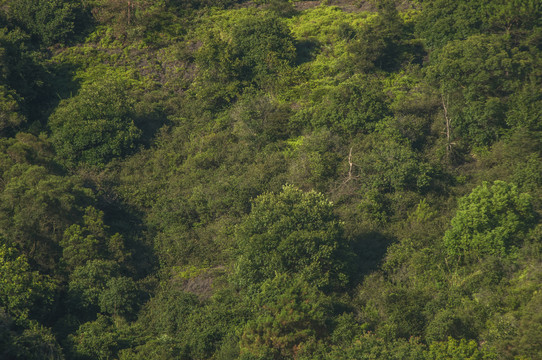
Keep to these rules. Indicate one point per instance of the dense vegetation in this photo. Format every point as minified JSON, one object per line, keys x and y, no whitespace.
{"x":222,"y":179}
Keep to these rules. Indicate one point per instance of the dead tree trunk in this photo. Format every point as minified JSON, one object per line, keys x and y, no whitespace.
{"x":448,"y":130}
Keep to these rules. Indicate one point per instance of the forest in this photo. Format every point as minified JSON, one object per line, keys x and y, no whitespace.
{"x":270,"y":179}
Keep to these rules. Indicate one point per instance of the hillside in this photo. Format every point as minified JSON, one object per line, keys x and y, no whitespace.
{"x":271,"y":179}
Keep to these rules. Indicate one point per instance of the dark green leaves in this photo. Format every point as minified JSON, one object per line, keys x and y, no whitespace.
{"x":96,"y":125}
{"x":261,"y":46}
{"x":51,"y":21}
{"x":20,"y":287}
{"x":292,"y":232}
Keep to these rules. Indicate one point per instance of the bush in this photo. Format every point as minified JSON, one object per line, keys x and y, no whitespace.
{"x":292,"y":232}
{"x":489,"y":221}
{"x":96,"y":125}
{"x":52,"y":21}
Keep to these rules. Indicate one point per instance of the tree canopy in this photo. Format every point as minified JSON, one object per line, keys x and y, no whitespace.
{"x":270,"y":179}
{"x":292,"y":232}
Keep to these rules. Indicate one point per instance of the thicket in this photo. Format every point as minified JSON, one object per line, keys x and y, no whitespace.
{"x":270,"y":179}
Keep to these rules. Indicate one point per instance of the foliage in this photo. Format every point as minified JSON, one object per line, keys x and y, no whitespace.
{"x":145,"y":147}
{"x":445,"y":20}
{"x":261,"y":46}
{"x":81,"y":244}
{"x":260,"y":120}
{"x":388,"y":164}
{"x":292,"y":232}
{"x":384,"y":43}
{"x":476,"y":73}
{"x":370,"y":346}
{"x":96,"y":125}
{"x":453,"y":349}
{"x":36,"y":207}
{"x":120,"y":297}
{"x":166,"y":313}
{"x":10,"y":118}
{"x":52,"y":21}
{"x":355,"y":106}
{"x":314,"y":160}
{"x":20,"y":287}
{"x":251,"y":53}
{"x":33,"y":342}
{"x":293,"y":314}
{"x":98,"y":339}
{"x":88,"y":283}
{"x":23,"y":74}
{"x":175,"y":319}
{"x":489,"y":221}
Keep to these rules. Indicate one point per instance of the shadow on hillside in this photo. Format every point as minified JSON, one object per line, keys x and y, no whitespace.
{"x":128,"y":221}
{"x":306,"y":50}
{"x":61,"y":85}
{"x":150,"y":123}
{"x":369,"y":249}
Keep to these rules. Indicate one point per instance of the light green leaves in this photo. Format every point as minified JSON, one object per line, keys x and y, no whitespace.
{"x":489,"y":221}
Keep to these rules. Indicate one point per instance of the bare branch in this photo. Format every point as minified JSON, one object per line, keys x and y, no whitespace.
{"x":448,"y":142}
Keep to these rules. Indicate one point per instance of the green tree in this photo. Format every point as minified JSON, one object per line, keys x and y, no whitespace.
{"x":99,"y":339}
{"x":22,"y":150}
{"x":167,"y":312}
{"x":291,"y":314}
{"x":20,"y":287}
{"x":292,"y":232}
{"x":442,"y":21}
{"x":445,"y":20}
{"x":88,"y":283}
{"x":457,"y":350}
{"x":215,"y":327}
{"x":91,"y":241}
{"x":78,"y":247}
{"x":96,"y":125}
{"x":385,"y":42}
{"x":261,"y":46}
{"x":197,"y":328}
{"x":368,"y":346}
{"x":475,"y":78}
{"x":35,"y":342}
{"x":355,"y":106}
{"x":260,"y":120}
{"x":512,"y":15}
{"x":525,"y":110}
{"x":134,"y":19}
{"x":120,"y":297}
{"x":530,"y":328}
{"x":314,"y":160}
{"x":51,"y":21}
{"x":387,"y":164}
{"x":163,"y":348}
{"x":10,"y":117}
{"x":35,"y":209}
{"x":22,"y":73}
{"x":491,"y":220}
